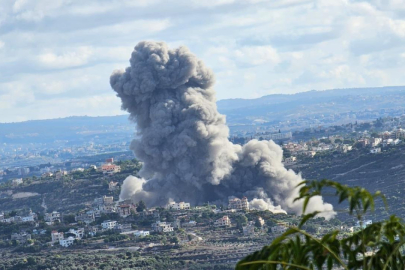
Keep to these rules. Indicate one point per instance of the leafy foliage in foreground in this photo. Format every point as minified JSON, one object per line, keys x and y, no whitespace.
{"x":377,"y":246}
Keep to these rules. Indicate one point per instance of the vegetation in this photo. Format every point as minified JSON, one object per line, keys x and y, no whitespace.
{"x":376,"y":246}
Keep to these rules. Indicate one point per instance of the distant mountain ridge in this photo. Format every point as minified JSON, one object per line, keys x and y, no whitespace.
{"x":299,"y":110}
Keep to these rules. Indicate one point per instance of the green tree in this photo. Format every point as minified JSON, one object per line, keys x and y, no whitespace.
{"x":377,"y":246}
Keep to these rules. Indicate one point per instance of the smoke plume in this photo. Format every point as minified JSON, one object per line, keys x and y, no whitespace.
{"x":183,"y":140}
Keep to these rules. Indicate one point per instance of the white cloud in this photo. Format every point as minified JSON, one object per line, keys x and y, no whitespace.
{"x":61,"y":52}
{"x":75,"y":58}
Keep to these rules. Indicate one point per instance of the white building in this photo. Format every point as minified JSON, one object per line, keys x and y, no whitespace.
{"x":223,"y":221}
{"x":141,"y":233}
{"x":78,"y":234}
{"x":67,"y":242}
{"x":109,"y":224}
{"x":290,"y":160}
{"x":17,"y":181}
{"x":178,"y":206}
{"x":162,"y":227}
{"x":50,"y":218}
{"x":375,"y":141}
{"x":29,"y":218}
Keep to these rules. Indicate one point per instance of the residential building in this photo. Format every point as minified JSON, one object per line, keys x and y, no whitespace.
{"x":290,"y":160}
{"x":375,"y":142}
{"x":123,"y":227}
{"x":224,"y":221}
{"x":112,"y":186}
{"x":67,"y":242}
{"x":110,"y":168}
{"x":178,"y":206}
{"x":109,"y":224}
{"x":162,"y":227}
{"x":92,"y":231}
{"x":21,"y":237}
{"x":52,"y":217}
{"x":87,"y":217}
{"x":56,"y":236}
{"x":249,"y":229}
{"x":17,"y":182}
{"x":191,"y":223}
{"x":107,"y":200}
{"x":238,"y":204}
{"x":78,"y":234}
{"x":124,"y":210}
{"x":141,"y":233}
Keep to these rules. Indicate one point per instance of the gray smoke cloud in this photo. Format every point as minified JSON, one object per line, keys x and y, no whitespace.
{"x":183,"y":139}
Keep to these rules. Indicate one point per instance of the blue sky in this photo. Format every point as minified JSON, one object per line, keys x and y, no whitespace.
{"x":57,"y":55}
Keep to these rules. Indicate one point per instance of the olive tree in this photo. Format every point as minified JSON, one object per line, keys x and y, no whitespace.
{"x":376,"y":246}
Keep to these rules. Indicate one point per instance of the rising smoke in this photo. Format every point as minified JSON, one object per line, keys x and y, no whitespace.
{"x":184,"y":142}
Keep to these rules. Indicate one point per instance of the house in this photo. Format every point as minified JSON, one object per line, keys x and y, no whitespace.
{"x":191,"y":223}
{"x":222,"y":222}
{"x":375,"y":142}
{"x":56,"y":236}
{"x":109,"y":208}
{"x":290,"y":160}
{"x":30,"y":217}
{"x":92,"y":231}
{"x":87,"y":217}
{"x":249,"y":229}
{"x":375,"y":150}
{"x":178,"y":206}
{"x":107,"y":200}
{"x":124,"y":210}
{"x":109,"y":224}
{"x":162,"y":227}
{"x":141,"y":233}
{"x":21,"y":237}
{"x":50,"y":218}
{"x":112,"y":186}
{"x":123,"y":227}
{"x":110,"y":168}
{"x":16,"y":182}
{"x":238,"y":204}
{"x":67,"y":242}
{"x":78,"y":234}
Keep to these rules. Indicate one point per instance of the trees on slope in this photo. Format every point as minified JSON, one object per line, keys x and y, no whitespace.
{"x":376,"y":246}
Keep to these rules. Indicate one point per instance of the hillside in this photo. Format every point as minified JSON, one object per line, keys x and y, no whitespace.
{"x":294,"y":111}
{"x":384,"y":171}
